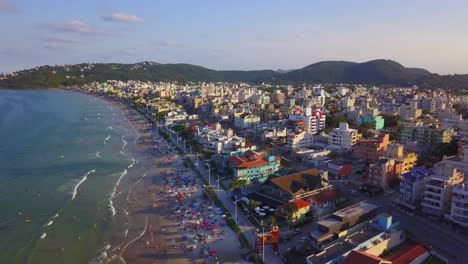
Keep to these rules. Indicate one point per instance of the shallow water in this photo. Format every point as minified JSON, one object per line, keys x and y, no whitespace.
{"x":63,"y":155}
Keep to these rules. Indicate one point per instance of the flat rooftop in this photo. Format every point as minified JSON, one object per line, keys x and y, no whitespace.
{"x":356,"y":210}
{"x":363,"y":235}
{"x":329,"y":221}
{"x":331,"y":252}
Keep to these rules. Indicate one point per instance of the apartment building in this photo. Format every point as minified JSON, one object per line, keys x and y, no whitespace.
{"x":314,"y":119}
{"x":438,"y":192}
{"x":425,"y":135}
{"x":300,"y":140}
{"x":372,"y":149}
{"x":412,"y":186}
{"x":384,"y":172}
{"x":343,"y":138}
{"x":246,"y":120}
{"x":459,"y":206}
{"x":408,"y":159}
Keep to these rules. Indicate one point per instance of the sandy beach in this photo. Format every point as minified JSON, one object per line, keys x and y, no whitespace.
{"x":167,"y":219}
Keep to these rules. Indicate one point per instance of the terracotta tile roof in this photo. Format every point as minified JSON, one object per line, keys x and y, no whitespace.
{"x":252,"y":159}
{"x":301,"y":203}
{"x":407,"y":256}
{"x":299,"y":182}
{"x":363,"y":258}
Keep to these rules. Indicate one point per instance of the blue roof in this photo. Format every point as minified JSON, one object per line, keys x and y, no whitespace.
{"x":417,"y":173}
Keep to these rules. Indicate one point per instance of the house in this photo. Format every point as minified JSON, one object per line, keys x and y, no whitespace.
{"x":253,"y":166}
{"x":302,"y":206}
{"x":325,"y":202}
{"x":295,"y":186}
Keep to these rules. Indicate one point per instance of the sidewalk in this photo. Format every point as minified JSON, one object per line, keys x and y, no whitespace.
{"x":224,"y":196}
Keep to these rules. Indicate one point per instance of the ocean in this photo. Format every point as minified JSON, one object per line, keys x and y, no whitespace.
{"x":63,"y":157}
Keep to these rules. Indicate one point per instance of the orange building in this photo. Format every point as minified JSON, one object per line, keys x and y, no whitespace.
{"x":372,"y":149}
{"x":384,"y":172}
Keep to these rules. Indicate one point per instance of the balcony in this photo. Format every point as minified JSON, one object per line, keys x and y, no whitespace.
{"x":433,"y":191}
{"x":430,"y":205}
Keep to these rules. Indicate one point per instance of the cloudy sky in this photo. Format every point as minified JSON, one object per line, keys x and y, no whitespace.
{"x":241,"y":34}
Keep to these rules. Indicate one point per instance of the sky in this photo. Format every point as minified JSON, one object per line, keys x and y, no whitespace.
{"x":241,"y":34}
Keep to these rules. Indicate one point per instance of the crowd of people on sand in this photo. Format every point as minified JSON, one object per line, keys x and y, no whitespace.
{"x":192,"y":223}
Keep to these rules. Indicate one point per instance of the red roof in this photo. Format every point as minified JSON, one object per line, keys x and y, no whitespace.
{"x":407,"y":256}
{"x":301,"y":204}
{"x":363,"y":258}
{"x":251,"y":159}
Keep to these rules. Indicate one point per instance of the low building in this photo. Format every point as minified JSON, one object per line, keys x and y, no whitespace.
{"x":303,"y":208}
{"x":343,"y":138}
{"x":300,"y":140}
{"x":295,"y":186}
{"x":372,"y":149}
{"x":438,"y":192}
{"x":253,"y":166}
{"x":384,"y":172}
{"x":331,"y":228}
{"x":371,"y":237}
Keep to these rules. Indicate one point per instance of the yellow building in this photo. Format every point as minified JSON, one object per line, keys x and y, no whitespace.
{"x":408,"y":159}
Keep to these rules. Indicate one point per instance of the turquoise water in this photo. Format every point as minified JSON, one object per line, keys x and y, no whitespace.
{"x":61,"y":156}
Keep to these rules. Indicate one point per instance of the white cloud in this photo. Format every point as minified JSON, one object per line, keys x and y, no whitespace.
{"x":124,"y":18}
{"x":168,"y":44}
{"x":75,"y":26}
{"x":7,"y":7}
{"x":62,"y":40}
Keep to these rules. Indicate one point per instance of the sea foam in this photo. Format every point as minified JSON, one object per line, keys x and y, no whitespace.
{"x":75,"y":190}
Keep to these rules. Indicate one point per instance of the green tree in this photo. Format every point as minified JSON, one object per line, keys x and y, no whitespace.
{"x":237,"y":184}
{"x":252,"y":204}
{"x":291,"y":209}
{"x":391,"y":120}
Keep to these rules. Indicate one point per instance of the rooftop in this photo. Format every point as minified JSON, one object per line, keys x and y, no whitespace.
{"x":356,"y":210}
{"x":299,"y":182}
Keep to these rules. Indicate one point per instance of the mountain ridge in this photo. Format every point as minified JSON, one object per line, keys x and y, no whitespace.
{"x":374,"y":72}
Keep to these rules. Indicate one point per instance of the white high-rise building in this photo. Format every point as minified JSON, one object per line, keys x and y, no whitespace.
{"x":438,"y":192}
{"x":343,"y":137}
{"x":459,"y":208}
{"x":314,"y":120}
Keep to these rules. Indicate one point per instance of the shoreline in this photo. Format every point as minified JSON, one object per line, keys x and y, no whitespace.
{"x":153,"y":207}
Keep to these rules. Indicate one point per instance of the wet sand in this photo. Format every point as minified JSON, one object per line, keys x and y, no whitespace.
{"x":168,"y":218}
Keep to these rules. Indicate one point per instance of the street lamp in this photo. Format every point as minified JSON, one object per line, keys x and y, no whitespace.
{"x":235,"y":202}
{"x":263,"y":241}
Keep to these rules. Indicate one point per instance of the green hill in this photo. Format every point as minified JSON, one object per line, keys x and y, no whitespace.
{"x":371,"y":72}
{"x":376,"y":72}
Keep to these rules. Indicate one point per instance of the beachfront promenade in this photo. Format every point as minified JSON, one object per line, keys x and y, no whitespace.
{"x":224,"y":196}
{"x":246,"y":227}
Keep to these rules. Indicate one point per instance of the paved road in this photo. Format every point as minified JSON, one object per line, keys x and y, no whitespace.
{"x":224,"y":196}
{"x":442,"y":238}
